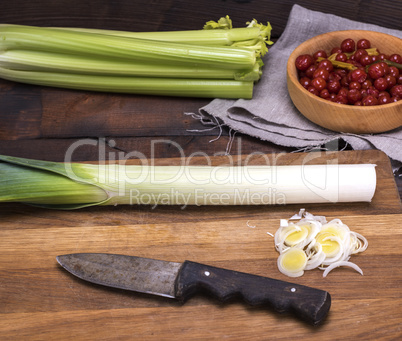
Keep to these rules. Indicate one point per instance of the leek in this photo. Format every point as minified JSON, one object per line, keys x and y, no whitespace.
{"x":77,"y":185}
{"x":218,"y":61}
{"x":40,"y":189}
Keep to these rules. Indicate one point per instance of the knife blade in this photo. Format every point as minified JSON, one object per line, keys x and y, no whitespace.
{"x":183,"y":280}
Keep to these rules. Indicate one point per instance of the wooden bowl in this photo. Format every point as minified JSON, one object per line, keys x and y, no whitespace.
{"x":341,"y":117}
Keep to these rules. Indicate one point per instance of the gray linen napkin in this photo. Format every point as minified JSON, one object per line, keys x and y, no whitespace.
{"x":271,"y":115}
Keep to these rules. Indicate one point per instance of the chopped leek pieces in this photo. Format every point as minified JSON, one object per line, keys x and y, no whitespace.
{"x":65,"y":185}
{"x":218,"y":61}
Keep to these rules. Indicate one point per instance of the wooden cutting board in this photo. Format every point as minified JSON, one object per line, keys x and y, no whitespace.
{"x":39,"y":300}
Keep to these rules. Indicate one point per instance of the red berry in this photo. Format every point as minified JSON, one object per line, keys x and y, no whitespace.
{"x":365,"y":60}
{"x":384,"y":99}
{"x":341,"y":99}
{"x":324,"y":94}
{"x":348,"y":45}
{"x":376,"y":71}
{"x":358,"y":75}
{"x":394,"y":71}
{"x":375,"y":59}
{"x":334,"y":76}
{"x":369,"y":101}
{"x":336,"y":50}
{"x":326,"y":64}
{"x":343,"y":92}
{"x":322,"y":73}
{"x":384,"y":93}
{"x":351,"y":61}
{"x":363,"y":44}
{"x":341,"y":72}
{"x":310,"y":71}
{"x":373,"y":92}
{"x":381,"y":84}
{"x":355,"y":85}
{"x":320,"y":54}
{"x":313,"y":90}
{"x":345,"y":81}
{"x":383,"y":56}
{"x":341,"y":57}
{"x":319,"y":83}
{"x":305,"y":82}
{"x":367,"y":84}
{"x":396,"y":58}
{"x":354,"y":95}
{"x":334,"y":87}
{"x":396,"y":91}
{"x":391,"y":80}
{"x":359,"y":54}
{"x":385,"y":66}
{"x":303,"y":62}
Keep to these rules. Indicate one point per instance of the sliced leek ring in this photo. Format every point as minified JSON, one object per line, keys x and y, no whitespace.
{"x":312,"y":242}
{"x":292,"y":262}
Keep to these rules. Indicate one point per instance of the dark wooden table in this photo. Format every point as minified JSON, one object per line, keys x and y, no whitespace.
{"x":38,"y":300}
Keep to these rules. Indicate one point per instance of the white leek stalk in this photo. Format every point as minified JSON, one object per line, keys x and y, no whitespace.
{"x":75,"y":185}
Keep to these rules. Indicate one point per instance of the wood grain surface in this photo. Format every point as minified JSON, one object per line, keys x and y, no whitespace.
{"x":40,"y":300}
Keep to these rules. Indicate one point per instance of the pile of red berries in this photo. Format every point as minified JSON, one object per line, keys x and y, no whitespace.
{"x":368,"y":77}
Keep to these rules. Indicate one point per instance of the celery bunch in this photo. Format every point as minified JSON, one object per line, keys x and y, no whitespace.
{"x":217,"y":61}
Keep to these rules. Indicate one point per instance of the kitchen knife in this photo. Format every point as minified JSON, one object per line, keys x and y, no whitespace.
{"x":182,"y":280}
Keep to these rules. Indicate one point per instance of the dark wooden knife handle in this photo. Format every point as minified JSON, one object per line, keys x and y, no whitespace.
{"x":309,"y":304}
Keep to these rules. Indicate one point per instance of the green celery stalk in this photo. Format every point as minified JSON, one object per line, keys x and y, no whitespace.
{"x":21,"y":37}
{"x":199,"y":37}
{"x":62,"y":63}
{"x":255,"y":35}
{"x":209,"y":88}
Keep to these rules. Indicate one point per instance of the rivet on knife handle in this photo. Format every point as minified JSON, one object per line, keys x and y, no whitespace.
{"x":309,"y":304}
